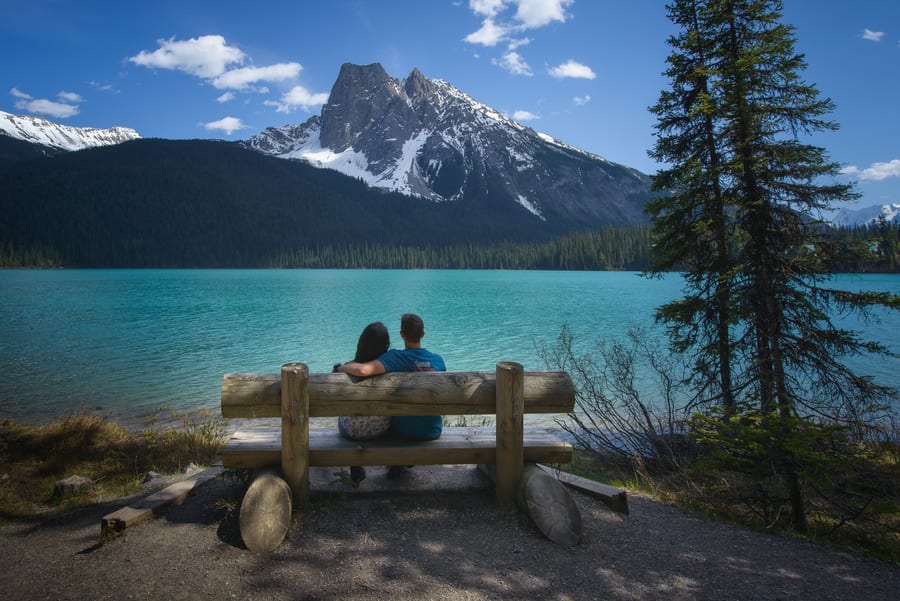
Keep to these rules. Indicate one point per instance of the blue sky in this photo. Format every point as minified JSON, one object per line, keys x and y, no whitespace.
{"x":583,"y":71}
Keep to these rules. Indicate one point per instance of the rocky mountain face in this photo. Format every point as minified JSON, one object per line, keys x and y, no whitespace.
{"x":36,"y":130}
{"x":423,"y":137}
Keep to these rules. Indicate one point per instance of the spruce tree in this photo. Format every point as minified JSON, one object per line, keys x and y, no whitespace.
{"x":740,"y":220}
{"x":690,"y":225}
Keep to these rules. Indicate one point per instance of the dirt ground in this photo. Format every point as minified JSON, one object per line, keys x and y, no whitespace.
{"x":435,"y":534}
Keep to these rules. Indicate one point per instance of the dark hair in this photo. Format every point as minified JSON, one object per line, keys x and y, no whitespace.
{"x":412,"y":327}
{"x":373,"y":342}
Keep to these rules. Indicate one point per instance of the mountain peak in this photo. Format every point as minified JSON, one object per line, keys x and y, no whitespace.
{"x":416,"y":84}
{"x":424,"y":137}
{"x":360,"y":95}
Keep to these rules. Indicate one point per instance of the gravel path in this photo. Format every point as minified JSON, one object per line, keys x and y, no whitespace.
{"x":438,"y":535}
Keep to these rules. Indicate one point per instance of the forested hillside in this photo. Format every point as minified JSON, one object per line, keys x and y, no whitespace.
{"x":163,"y":203}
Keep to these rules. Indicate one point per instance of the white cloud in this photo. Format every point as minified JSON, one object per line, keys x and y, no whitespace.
{"x":514,"y":63}
{"x":581,"y":100}
{"x":228,"y":124}
{"x":875,"y":171}
{"x":487,"y":8}
{"x":528,"y":14}
{"x":490,"y":34}
{"x":207,"y":56}
{"x":513,"y":44}
{"x":880,"y":171}
{"x":213,"y":60}
{"x":298,"y":96}
{"x":240,"y":79}
{"x":538,"y":13}
{"x":572,"y":69}
{"x":69,"y":97}
{"x":104,"y":87}
{"x":42,"y":106}
{"x":524,"y":116}
{"x":874,"y":36}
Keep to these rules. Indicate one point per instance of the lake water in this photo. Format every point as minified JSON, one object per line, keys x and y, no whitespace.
{"x":130,"y":342}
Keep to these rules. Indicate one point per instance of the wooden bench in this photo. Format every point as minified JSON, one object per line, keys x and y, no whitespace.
{"x":295,"y":395}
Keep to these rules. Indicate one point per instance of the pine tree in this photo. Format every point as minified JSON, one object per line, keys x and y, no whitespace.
{"x":740,"y":220}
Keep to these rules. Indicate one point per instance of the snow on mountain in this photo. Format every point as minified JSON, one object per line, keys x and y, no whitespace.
{"x":64,"y":137}
{"x":867,"y":215}
{"x":424,"y":137}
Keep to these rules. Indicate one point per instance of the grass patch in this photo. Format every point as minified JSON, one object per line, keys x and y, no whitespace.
{"x":858,"y":510}
{"x":116,"y":459}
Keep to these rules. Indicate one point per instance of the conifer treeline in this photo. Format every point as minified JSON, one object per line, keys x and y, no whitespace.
{"x":606,"y":249}
{"x":871,"y":248}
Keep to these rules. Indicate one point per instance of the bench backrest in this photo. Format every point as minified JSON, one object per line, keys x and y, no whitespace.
{"x":400,"y":393}
{"x":296,"y":395}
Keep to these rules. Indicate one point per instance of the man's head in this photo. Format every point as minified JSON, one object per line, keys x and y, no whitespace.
{"x":412,"y":328}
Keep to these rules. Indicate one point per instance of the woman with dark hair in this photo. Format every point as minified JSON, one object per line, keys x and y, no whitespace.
{"x":373,"y":342}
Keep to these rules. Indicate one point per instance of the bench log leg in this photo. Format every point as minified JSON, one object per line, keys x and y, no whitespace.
{"x":550,"y":506}
{"x":295,"y":429}
{"x":510,"y":429}
{"x":265,"y":511}
{"x":547,"y":502}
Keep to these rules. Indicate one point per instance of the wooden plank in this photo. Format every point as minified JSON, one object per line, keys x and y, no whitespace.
{"x":118,"y":521}
{"x":457,"y":445}
{"x":401,"y":393}
{"x":615,"y":498}
{"x":510,"y":405}
{"x":295,"y":429}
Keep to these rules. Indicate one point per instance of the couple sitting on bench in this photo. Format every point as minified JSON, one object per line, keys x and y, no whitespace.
{"x":373,"y":357}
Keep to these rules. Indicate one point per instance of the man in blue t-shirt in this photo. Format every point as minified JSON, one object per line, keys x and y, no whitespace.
{"x":411,"y":358}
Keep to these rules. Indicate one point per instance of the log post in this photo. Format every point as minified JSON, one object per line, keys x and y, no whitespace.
{"x":510,"y":429}
{"x":295,"y":429}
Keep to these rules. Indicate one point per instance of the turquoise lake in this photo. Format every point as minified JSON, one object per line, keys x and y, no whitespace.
{"x":127,"y":343}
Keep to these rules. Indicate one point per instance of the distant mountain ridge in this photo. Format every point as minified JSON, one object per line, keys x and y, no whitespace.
{"x":867,"y":215}
{"x":423,"y":137}
{"x":37,"y":130}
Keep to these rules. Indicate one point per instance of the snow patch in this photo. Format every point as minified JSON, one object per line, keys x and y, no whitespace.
{"x":401,"y":174}
{"x":349,"y":162}
{"x":530,"y":207}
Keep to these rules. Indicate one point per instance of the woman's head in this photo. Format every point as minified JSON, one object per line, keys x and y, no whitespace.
{"x":373,"y":342}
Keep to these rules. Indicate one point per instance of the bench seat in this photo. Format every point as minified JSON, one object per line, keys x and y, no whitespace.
{"x":257,"y":448}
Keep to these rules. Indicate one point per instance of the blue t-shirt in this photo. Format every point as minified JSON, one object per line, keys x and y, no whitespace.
{"x":418,"y":427}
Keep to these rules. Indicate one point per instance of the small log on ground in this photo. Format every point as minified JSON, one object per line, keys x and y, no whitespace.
{"x":265,"y":511}
{"x":115,"y":523}
{"x":615,"y":498}
{"x":547,"y":503}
